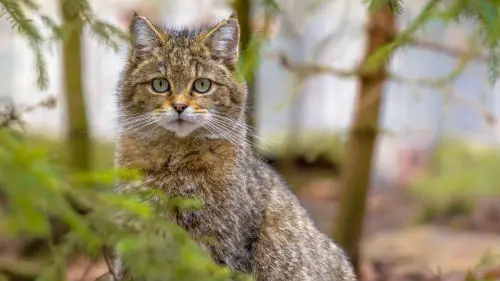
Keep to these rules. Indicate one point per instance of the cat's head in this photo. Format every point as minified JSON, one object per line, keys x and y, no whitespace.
{"x":182,"y":81}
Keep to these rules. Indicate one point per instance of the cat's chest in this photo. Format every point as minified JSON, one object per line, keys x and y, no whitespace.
{"x":212,"y":193}
{"x":201,"y":184}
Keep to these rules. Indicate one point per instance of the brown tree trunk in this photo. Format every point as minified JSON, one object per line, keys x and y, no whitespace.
{"x":78,"y":140}
{"x":243,"y":10}
{"x":356,"y":167}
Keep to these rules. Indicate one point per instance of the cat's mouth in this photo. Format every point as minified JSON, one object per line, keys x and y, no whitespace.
{"x":180,"y":121}
{"x":180,"y":126}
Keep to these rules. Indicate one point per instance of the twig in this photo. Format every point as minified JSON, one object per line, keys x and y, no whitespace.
{"x":453,"y":93}
{"x":21,"y":268}
{"x":9,"y":114}
{"x":451,"y":51}
{"x":311,"y":68}
{"x":87,"y":269}
{"x":442,"y":83}
{"x":440,"y":48}
{"x":435,"y":46}
{"x":109,"y":265}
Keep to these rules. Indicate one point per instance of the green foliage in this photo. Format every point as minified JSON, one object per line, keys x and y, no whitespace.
{"x":434,"y":210}
{"x":383,"y":54}
{"x":17,"y":13}
{"x":486,"y":14}
{"x":102,"y":151}
{"x":270,"y":5}
{"x":250,"y":57}
{"x":461,"y":170}
{"x":460,"y":174}
{"x":36,"y":191}
{"x":487,"y":262}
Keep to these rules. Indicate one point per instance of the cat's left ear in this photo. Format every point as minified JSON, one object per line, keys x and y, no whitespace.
{"x":223,"y":40}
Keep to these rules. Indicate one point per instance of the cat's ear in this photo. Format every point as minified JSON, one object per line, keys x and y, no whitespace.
{"x":223,"y":39}
{"x":145,"y":36}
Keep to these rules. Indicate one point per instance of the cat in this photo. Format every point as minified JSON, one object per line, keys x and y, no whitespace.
{"x":188,"y":137}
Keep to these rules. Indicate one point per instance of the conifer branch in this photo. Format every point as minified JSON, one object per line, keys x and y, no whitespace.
{"x":15,"y":12}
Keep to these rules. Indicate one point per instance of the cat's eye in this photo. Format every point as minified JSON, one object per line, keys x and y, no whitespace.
{"x":202,"y":85}
{"x":160,"y":85}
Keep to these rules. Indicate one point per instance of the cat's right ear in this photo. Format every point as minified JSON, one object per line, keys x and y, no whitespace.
{"x":145,"y":36}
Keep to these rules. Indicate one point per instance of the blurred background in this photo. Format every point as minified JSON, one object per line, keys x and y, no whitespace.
{"x":426,"y":171}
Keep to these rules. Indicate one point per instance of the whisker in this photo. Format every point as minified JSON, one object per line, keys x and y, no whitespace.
{"x":135,"y":124}
{"x":138,"y":125}
{"x":231,"y":123}
{"x":231,"y":133}
{"x":224,"y":134}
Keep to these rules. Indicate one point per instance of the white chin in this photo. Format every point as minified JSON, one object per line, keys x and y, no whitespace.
{"x":180,"y":128}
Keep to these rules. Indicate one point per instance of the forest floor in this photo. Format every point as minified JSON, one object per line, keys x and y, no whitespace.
{"x":395,"y":246}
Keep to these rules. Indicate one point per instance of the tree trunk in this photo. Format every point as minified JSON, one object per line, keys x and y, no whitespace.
{"x":243,"y":10}
{"x":78,"y":140}
{"x":356,"y":167}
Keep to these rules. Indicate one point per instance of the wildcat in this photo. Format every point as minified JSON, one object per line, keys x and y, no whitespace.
{"x":188,"y":137}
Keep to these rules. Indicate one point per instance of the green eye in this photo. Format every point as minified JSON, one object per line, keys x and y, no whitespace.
{"x":202,"y":85}
{"x":160,"y":85}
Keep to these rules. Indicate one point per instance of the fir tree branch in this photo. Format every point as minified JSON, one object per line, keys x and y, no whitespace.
{"x":57,"y":32}
{"x":383,"y":54}
{"x":25,"y":26}
{"x":14,"y":12}
{"x":108,"y":34}
{"x":22,"y":268}
{"x":30,"y":4}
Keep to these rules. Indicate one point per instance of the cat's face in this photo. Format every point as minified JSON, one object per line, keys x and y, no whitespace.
{"x":182,"y":81}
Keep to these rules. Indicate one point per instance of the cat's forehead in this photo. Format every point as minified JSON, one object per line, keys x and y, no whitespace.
{"x":184,"y":32}
{"x":183,"y":44}
{"x":181,"y":53}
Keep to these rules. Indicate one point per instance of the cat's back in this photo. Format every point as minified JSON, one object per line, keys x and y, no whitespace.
{"x":288,"y":234}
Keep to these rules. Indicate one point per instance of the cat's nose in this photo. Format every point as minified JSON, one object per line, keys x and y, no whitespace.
{"x":179,"y":107}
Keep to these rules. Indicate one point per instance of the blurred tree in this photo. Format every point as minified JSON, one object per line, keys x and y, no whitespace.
{"x":78,"y":136}
{"x":243,"y":9}
{"x":251,"y":43}
{"x":382,"y":42}
{"x":75,"y":15}
{"x":356,"y":167}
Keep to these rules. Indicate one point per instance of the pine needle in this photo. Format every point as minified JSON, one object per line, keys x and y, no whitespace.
{"x":19,"y":21}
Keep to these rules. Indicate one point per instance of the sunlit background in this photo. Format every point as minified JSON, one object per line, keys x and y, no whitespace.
{"x":434,"y":198}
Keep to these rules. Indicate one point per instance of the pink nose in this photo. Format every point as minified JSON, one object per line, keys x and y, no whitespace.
{"x":179,"y":107}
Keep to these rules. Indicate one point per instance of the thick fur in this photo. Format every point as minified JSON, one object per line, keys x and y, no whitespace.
{"x":258,"y":224}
